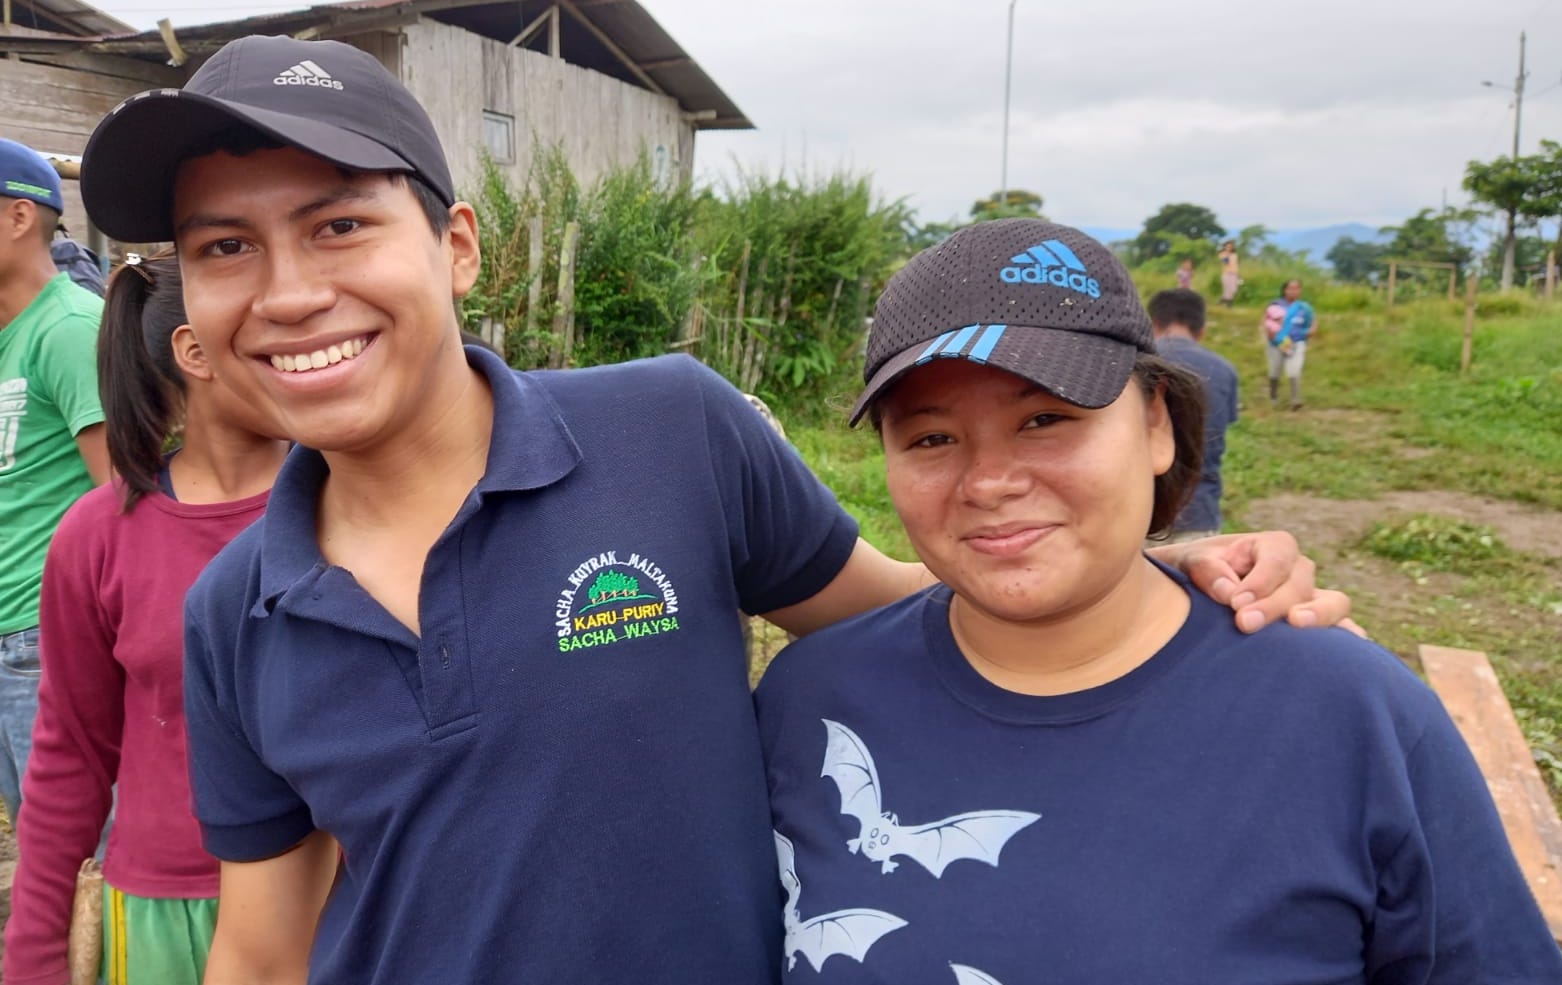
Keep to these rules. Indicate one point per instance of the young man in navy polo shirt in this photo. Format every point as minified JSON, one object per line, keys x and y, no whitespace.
{"x":486,"y":634}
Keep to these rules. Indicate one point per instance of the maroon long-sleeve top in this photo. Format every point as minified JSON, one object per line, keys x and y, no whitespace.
{"x":111,"y":709}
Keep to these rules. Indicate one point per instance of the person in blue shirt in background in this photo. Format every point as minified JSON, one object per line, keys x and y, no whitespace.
{"x":1289,"y":322}
{"x":1177,"y":316}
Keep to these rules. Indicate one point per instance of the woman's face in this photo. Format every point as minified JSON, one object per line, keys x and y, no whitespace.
{"x":1028,"y":507}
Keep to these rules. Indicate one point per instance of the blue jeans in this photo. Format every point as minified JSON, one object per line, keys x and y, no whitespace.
{"x":19,"y":674}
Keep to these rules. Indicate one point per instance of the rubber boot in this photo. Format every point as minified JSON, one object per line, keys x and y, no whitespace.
{"x":1274,"y":392}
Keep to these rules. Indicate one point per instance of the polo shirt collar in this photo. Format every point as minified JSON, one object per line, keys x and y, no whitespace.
{"x":530,"y":448}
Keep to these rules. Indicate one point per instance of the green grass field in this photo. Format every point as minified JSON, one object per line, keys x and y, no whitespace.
{"x":1433,"y":498}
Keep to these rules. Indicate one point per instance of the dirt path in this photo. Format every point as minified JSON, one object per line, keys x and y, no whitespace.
{"x":1401,"y":610}
{"x":1331,"y":523}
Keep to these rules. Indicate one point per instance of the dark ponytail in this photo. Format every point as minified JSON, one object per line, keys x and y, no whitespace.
{"x":141,"y":387}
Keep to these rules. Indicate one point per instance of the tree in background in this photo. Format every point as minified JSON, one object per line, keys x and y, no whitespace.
{"x":1017,"y":203}
{"x":1545,"y":201}
{"x":1252,"y":239}
{"x":921,"y":235}
{"x":1431,"y":235}
{"x":1529,"y":258}
{"x":1505,"y":184}
{"x":1184,"y":219}
{"x":1527,"y":189}
{"x":1356,"y":261}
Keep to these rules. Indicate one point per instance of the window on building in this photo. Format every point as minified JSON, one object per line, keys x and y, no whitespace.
{"x":499,"y":136}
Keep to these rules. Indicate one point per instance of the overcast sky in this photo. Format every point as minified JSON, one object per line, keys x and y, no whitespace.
{"x":1289,"y":114}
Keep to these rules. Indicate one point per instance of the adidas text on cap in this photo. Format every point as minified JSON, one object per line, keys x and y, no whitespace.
{"x":25,"y":174}
{"x":322,"y":97}
{"x":1040,"y":300}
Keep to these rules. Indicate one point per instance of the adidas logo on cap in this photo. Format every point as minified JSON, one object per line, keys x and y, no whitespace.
{"x":1051,"y":263}
{"x":306,"y":73}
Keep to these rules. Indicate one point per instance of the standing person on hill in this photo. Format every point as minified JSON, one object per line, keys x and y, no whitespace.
{"x":1177,"y":318}
{"x":1230,"y":272}
{"x":1185,"y":274}
{"x":486,"y":635}
{"x":51,"y":428}
{"x":111,"y":702}
{"x":1289,"y":322}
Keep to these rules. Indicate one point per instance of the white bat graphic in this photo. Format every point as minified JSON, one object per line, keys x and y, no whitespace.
{"x":965,"y":975}
{"x":848,"y":932}
{"x":978,"y":835}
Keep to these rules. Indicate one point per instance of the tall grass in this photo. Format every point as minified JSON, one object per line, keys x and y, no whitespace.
{"x":800,"y":258}
{"x":768,"y":278}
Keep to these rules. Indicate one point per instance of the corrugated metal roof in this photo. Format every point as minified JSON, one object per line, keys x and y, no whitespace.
{"x":68,"y":17}
{"x":625,"y":24}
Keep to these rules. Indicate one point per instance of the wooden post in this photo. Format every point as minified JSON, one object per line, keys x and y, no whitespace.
{"x":835,"y":299}
{"x":533,"y":276}
{"x":1551,"y":274}
{"x":98,"y":243}
{"x":748,"y":358}
{"x":1464,"y":680}
{"x":786,"y":289}
{"x":1453,"y":272}
{"x":1469,"y":322}
{"x":739,"y":329}
{"x":493,"y":331}
{"x":1393,"y":275}
{"x":84,"y":944}
{"x":176,"y":55}
{"x":689,"y":330}
{"x":564,"y":319}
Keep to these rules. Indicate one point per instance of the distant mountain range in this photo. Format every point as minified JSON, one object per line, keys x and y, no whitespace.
{"x":1315,"y":242}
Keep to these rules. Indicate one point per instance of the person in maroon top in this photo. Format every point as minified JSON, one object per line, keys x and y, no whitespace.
{"x":111,"y":699}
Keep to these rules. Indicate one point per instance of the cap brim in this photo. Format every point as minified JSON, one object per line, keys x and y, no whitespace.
{"x":1085,"y":370}
{"x":129,"y":166}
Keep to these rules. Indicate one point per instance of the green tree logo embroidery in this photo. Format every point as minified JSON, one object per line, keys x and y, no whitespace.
{"x":611,"y":586}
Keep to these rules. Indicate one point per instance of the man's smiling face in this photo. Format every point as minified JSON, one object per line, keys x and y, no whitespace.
{"x":322,"y":296}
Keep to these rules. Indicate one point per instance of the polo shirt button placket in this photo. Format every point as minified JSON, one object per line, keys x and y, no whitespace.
{"x":447,"y":689}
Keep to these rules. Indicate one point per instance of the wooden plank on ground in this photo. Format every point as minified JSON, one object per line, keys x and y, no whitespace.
{"x":1469,"y":690}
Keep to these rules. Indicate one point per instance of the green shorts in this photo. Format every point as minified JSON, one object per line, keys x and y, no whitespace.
{"x":155,"y":941}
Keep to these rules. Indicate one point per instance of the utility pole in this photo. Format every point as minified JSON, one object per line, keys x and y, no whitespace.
{"x":1518,"y":98}
{"x":1518,"y":116}
{"x":1008,"y":72}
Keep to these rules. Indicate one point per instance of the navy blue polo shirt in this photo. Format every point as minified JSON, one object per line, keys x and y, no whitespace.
{"x":561,"y":780}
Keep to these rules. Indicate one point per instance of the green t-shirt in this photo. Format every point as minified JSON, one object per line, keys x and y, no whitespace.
{"x":48,"y":394}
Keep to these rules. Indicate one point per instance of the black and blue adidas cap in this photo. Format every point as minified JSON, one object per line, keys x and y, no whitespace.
{"x":1040,"y":300}
{"x":323,"y":97}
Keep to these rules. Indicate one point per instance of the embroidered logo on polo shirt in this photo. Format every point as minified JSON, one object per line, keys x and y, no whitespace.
{"x":611,"y":599}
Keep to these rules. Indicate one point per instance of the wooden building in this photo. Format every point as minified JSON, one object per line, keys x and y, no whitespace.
{"x":599,"y":77}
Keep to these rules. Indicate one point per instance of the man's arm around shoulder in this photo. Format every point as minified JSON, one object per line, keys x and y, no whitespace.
{"x":267,"y":914}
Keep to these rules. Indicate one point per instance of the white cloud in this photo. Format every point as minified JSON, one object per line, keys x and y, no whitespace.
{"x":1284,"y":113}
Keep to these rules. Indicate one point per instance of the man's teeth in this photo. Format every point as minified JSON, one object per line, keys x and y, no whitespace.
{"x":319,"y":359}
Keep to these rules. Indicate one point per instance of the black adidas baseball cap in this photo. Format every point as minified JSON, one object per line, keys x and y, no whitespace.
{"x":1040,"y":300}
{"x":322,"y":97}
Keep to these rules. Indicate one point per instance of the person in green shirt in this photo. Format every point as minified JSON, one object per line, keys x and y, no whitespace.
{"x":51,"y":428}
